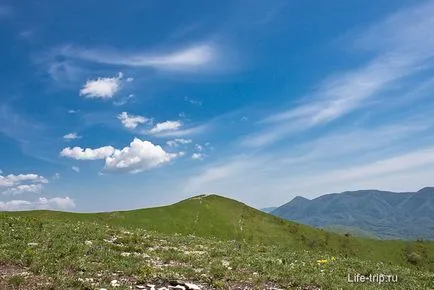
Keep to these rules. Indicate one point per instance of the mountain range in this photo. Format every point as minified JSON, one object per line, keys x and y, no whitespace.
{"x":371,"y":213}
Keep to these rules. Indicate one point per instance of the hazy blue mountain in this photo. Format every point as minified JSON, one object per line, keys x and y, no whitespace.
{"x":387,"y":215}
{"x":268,"y":209}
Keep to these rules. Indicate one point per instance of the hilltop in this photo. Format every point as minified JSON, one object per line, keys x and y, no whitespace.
{"x":211,"y":240}
{"x":372,"y":213}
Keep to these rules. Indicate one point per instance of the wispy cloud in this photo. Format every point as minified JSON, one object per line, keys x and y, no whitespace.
{"x":132,"y":121}
{"x":402,"y":49}
{"x":190,"y":58}
{"x":167,"y":126}
{"x":334,"y":161}
{"x":183,"y":132}
{"x":5,"y":11}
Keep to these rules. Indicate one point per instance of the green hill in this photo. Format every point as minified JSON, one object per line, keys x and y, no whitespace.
{"x":211,"y":219}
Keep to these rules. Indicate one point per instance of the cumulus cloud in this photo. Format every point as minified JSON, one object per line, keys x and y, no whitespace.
{"x":41,"y":203}
{"x":166,"y":126}
{"x":103,"y":88}
{"x":11,"y":179}
{"x":178,"y":141}
{"x":24,"y":188}
{"x":131,"y":121}
{"x":79,"y":153}
{"x":71,"y":136}
{"x":139,"y":156}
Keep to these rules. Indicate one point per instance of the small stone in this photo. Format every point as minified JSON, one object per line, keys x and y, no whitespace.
{"x":88,"y":243}
{"x":115,"y":283}
{"x":142,"y":287}
{"x":32,"y":244}
{"x":191,"y":286}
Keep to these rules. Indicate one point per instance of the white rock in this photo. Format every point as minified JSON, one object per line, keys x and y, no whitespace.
{"x":225,"y":263}
{"x":32,"y":244}
{"x":125,"y":254}
{"x":115,"y":283}
{"x":102,"y":289}
{"x":192,"y":286}
{"x":88,"y":243}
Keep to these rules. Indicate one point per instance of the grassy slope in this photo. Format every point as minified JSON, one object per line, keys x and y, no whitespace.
{"x":222,"y":218}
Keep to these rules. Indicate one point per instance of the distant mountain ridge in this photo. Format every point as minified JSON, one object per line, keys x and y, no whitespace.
{"x":268,"y":209}
{"x":384,"y":214}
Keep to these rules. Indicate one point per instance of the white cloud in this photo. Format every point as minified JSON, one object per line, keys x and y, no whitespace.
{"x":71,"y":136}
{"x":56,"y":176}
{"x":123,"y":100}
{"x":11,"y":179}
{"x":72,"y":111}
{"x":79,"y":153}
{"x":176,"y":142}
{"x":41,"y":203}
{"x":183,"y":132}
{"x":192,"y":101}
{"x":131,"y":121}
{"x":166,"y":126}
{"x":197,"y":156}
{"x":75,"y":168}
{"x":24,"y":188}
{"x":139,"y":156}
{"x":403,"y":44}
{"x":190,"y":58}
{"x":104,"y":88}
{"x":198,"y":147}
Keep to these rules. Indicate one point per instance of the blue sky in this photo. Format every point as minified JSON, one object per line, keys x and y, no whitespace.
{"x":106,"y":105}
